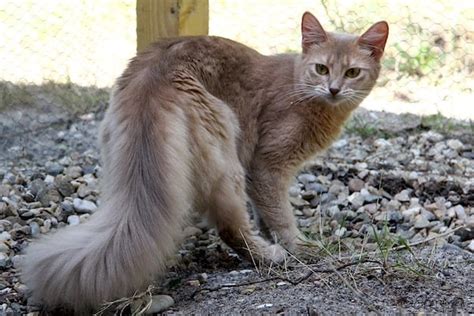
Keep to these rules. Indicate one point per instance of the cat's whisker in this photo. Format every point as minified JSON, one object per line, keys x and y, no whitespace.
{"x":358,"y":97}
{"x":354,"y":101}
{"x":306,"y":97}
{"x":295,"y":94}
{"x":305,"y":91}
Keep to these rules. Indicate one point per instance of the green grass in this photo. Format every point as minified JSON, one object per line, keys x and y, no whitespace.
{"x":357,"y":125}
{"x":15,"y":95}
{"x":69,"y":97}
{"x":444,"y":125}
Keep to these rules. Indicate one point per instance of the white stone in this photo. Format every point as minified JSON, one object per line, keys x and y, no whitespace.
{"x":432,"y":136}
{"x":73,"y":220}
{"x":340,"y":143}
{"x":407,"y":214}
{"x":49,"y":179}
{"x":356,"y":199}
{"x":403,"y":196}
{"x":4,"y":236}
{"x":294,"y":191}
{"x":470,"y":247}
{"x":159,"y":303}
{"x":84,"y":206}
{"x":460,"y":213}
{"x":413,"y":175}
{"x":306,"y":178}
{"x":340,"y":232}
{"x":3,"y":260}
{"x":381,"y":143}
{"x":455,"y":144}
{"x":421,"y":222}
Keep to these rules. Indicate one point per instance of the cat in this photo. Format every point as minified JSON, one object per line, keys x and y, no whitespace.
{"x":205,"y":124}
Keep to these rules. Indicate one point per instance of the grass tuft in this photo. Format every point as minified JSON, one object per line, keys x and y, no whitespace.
{"x":69,"y":97}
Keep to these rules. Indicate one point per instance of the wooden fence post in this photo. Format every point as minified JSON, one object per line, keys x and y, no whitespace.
{"x":170,"y":18}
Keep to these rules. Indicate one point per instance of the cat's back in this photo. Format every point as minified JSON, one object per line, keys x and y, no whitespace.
{"x":211,"y":59}
{"x":202,"y":41}
{"x":203,"y":48}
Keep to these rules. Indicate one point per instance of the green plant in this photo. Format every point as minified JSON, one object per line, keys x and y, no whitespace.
{"x":390,"y":247}
{"x":68,"y":96}
{"x":418,"y":64}
{"x":444,"y":125}
{"x":75,"y":98}
{"x":385,"y":242}
{"x":365,"y":129}
{"x":14,"y":95}
{"x":357,"y":125}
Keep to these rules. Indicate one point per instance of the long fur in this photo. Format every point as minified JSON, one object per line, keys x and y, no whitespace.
{"x":127,"y":242}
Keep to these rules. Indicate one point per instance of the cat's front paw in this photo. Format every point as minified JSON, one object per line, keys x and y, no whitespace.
{"x":276,"y":253}
{"x":306,"y":248}
{"x":293,"y":240}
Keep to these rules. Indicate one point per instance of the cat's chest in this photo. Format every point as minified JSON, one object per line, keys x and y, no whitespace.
{"x":319,"y":129}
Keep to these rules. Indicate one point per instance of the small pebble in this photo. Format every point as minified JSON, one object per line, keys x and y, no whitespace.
{"x":340,"y":232}
{"x":35,"y":229}
{"x":194,"y":283}
{"x":306,"y":178}
{"x":470,"y":246}
{"x":421,"y":222}
{"x":73,"y":220}
{"x":4,"y":260}
{"x":4,"y":248}
{"x":202,"y":277}
{"x":74,"y":172}
{"x":191,"y":231}
{"x":455,"y":144}
{"x":4,"y":236}
{"x":294,"y":191}
{"x":403,"y":196}
{"x":84,"y":206}
{"x":356,"y":199}
{"x":54,"y":169}
{"x":17,"y":260}
{"x":340,"y":143}
{"x":460,"y":213}
{"x":355,"y":185}
{"x":49,"y":179}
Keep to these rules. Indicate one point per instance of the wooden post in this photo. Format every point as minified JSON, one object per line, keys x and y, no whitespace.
{"x":170,"y":18}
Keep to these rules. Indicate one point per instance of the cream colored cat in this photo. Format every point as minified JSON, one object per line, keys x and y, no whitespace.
{"x":203,"y":123}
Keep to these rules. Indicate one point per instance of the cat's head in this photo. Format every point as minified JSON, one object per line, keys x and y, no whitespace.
{"x":339,"y":69}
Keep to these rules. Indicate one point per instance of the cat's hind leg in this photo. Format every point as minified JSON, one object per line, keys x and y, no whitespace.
{"x":219,"y":178}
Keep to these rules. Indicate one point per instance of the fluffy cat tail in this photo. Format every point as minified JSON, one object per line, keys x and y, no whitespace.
{"x":128,"y":241}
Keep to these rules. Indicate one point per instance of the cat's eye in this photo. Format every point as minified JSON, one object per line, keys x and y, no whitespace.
{"x":321,"y":69}
{"x":352,"y":72}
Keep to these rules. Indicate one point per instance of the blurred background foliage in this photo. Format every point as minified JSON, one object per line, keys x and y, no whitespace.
{"x":68,"y":53}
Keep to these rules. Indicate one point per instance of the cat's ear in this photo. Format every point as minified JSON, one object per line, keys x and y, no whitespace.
{"x":311,"y":31}
{"x":375,"y":38}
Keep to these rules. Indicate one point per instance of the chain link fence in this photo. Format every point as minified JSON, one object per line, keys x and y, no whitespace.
{"x":61,"y":57}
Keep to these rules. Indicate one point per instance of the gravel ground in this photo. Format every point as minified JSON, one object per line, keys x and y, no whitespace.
{"x":390,"y":206}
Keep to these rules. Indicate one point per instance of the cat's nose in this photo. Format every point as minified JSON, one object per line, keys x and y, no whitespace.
{"x":334,"y":91}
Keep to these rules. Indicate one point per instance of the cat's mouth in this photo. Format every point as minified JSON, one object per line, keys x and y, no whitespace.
{"x":333,"y":99}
